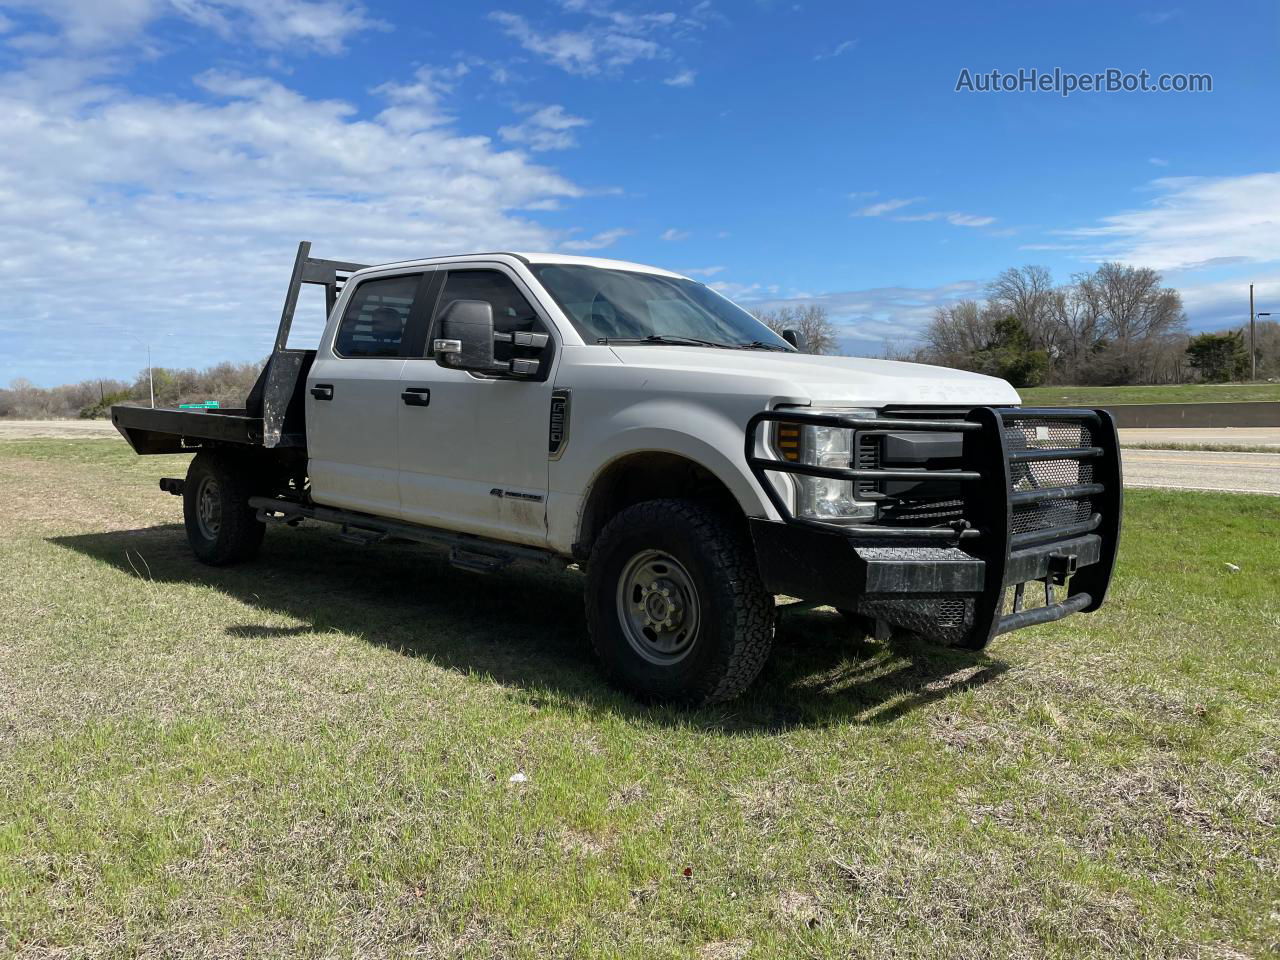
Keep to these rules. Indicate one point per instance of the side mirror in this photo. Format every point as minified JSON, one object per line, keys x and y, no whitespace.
{"x":796,"y":339}
{"x":467,"y":337}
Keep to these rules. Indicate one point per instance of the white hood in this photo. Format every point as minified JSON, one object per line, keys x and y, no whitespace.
{"x":845,"y":381}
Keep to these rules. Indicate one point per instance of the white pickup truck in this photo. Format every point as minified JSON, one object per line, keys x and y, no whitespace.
{"x":556,"y":409}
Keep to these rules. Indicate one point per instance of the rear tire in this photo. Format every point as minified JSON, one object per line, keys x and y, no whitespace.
{"x":221,"y":526}
{"x":675,"y":605}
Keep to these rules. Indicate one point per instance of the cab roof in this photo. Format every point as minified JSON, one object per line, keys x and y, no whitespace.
{"x":540,"y":258}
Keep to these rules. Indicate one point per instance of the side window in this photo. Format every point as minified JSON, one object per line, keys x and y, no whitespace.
{"x":374,"y":321}
{"x":511,"y":311}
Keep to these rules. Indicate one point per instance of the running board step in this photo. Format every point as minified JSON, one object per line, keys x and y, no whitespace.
{"x":477,"y":562}
{"x":360,"y":536}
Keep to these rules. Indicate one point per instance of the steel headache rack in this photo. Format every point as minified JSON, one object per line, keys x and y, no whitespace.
{"x":971,"y":506}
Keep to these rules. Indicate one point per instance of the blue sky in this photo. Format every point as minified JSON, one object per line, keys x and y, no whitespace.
{"x":163,"y":157}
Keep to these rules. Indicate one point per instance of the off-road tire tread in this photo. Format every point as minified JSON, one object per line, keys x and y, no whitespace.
{"x":241,"y":533}
{"x":738,"y":592}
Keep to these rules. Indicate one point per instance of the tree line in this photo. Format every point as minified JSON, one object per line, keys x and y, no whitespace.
{"x":1117,"y":324}
{"x":228,"y":383}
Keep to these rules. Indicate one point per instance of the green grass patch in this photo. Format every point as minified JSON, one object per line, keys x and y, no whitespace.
{"x":1174,"y":393}
{"x":311,"y":755}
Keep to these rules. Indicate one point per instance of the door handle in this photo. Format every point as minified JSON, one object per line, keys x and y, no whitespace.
{"x":416,"y":397}
{"x":322,"y":391}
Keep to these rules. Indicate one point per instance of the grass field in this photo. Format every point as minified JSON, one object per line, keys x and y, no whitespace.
{"x":312,"y":756}
{"x":1179,"y":393}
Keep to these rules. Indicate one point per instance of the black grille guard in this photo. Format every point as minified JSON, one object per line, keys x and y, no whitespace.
{"x":1042,"y":500}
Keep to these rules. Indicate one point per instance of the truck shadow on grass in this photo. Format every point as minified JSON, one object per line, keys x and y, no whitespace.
{"x":526,"y":629}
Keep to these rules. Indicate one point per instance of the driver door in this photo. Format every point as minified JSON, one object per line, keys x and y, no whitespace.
{"x":473,"y":457}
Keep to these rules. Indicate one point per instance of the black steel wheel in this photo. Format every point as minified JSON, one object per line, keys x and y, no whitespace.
{"x":221,"y":526}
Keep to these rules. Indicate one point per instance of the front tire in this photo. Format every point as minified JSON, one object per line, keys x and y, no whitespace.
{"x":675,"y":605}
{"x":221,"y":526}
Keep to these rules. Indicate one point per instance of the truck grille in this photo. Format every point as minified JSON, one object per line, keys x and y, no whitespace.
{"x":1033,"y":494}
{"x":1047,"y":433}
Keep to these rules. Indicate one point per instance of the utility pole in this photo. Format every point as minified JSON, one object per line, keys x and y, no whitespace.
{"x":1253,"y":354}
{"x":151,"y":377}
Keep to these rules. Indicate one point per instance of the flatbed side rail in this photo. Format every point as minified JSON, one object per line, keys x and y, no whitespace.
{"x":165,"y":430}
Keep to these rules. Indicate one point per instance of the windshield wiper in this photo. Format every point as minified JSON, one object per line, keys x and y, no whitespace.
{"x":763,"y":345}
{"x":667,"y":340}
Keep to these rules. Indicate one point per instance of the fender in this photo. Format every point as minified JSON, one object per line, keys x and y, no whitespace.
{"x":706,"y":436}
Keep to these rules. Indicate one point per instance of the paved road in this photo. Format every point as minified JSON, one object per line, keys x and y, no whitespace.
{"x":1228,"y":436}
{"x":1203,"y":470}
{"x":65,"y":429}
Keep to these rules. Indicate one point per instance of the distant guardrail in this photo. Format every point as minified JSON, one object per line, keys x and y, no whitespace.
{"x":1245,"y":413}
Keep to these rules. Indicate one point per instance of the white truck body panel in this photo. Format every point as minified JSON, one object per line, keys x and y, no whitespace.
{"x":352,"y":439}
{"x":482,"y":434}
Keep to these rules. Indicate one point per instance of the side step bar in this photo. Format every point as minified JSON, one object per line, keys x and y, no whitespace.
{"x":467,"y":552}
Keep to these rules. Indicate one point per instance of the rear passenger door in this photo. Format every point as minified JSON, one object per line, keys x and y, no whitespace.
{"x":353,"y":395}
{"x":473,"y":449}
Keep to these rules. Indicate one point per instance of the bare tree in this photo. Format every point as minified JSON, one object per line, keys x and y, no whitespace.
{"x":1075,"y":312}
{"x":1136,"y":314}
{"x":1026,"y":293}
{"x":957,"y":332}
{"x":810,"y":320}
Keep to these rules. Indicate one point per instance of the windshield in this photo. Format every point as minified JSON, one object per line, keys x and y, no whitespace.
{"x":621,"y":306}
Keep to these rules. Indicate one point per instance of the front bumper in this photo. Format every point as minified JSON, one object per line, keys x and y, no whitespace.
{"x":1036,"y":496}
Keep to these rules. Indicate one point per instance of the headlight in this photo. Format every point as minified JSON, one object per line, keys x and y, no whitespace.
{"x":818,"y":498}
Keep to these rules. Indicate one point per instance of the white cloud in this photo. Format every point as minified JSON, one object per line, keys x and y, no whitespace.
{"x":844,"y":46}
{"x":885,"y":206}
{"x":955,"y":218}
{"x":672,"y":235}
{"x":584,"y":52}
{"x":546,"y":128}
{"x":703,"y":271}
{"x":968,"y":219}
{"x":869,"y":320}
{"x":605,"y":238}
{"x":1194,"y":221}
{"x":604,"y":40}
{"x":185,"y":213}
{"x":321,"y":25}
{"x":1158,"y":161}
